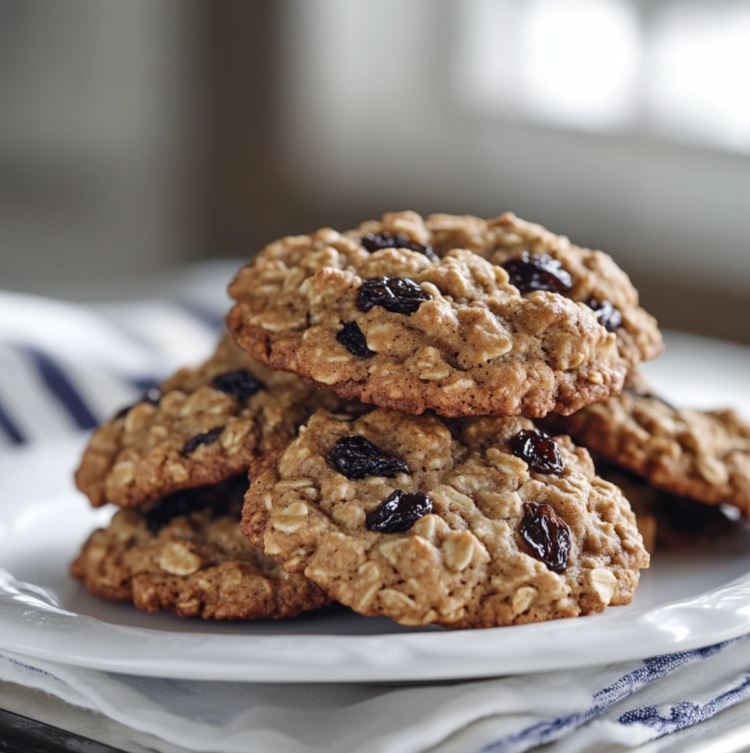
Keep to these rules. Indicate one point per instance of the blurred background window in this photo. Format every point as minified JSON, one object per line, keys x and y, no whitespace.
{"x":137,"y":136}
{"x":675,"y":70}
{"x":573,"y":64}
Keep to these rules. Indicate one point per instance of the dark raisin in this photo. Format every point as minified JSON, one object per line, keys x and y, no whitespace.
{"x":538,"y":272}
{"x":240,"y":383}
{"x":547,"y":535}
{"x":540,"y":451}
{"x":399,"y":295}
{"x":152,"y":395}
{"x":399,"y":512}
{"x":354,"y":340}
{"x":607,"y":313}
{"x":206,"y":437}
{"x":357,"y":457}
{"x":375,"y":241}
{"x":224,"y":498}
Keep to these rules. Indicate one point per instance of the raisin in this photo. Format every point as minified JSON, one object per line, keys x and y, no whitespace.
{"x":607,"y":313}
{"x":357,"y":457}
{"x":240,"y":383}
{"x":223,"y":499}
{"x":547,"y":535}
{"x":354,"y":340}
{"x":540,"y":451}
{"x":538,"y":272}
{"x":152,"y":395}
{"x":399,"y":512}
{"x":206,"y":437}
{"x":399,"y":295}
{"x":375,"y":241}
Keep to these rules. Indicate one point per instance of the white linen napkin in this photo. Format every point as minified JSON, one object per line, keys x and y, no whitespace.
{"x":64,"y":368}
{"x":621,"y":705}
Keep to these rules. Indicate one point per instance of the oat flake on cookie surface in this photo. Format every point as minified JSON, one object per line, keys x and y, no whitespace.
{"x":200,"y":427}
{"x":409,"y":314}
{"x":594,"y":277}
{"x":185,"y":554}
{"x":474,"y":522}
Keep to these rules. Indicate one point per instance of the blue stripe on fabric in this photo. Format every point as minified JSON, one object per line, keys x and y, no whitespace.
{"x":144,"y":383}
{"x":28,"y":667}
{"x":670,"y":718}
{"x":10,"y":428}
{"x":651,"y":669}
{"x":60,"y":386}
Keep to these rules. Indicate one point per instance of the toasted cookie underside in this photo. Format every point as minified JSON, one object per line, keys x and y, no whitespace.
{"x":669,"y":521}
{"x":194,"y":564}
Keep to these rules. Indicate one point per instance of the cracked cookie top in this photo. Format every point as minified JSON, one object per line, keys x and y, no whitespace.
{"x":472,"y":522}
{"x":590,"y":276}
{"x":202,"y":426}
{"x":404,"y":316}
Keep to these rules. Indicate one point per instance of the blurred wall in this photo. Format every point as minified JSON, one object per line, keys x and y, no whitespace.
{"x":383,"y":118}
{"x":98,"y":158}
{"x":208,"y":129}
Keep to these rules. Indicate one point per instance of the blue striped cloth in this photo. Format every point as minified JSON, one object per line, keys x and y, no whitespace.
{"x":64,"y":368}
{"x":662,"y":703}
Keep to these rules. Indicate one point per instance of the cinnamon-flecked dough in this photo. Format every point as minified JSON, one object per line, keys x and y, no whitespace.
{"x":451,"y":333}
{"x":702,"y":455}
{"x":477,"y":536}
{"x":195,"y":564}
{"x":204,"y":425}
{"x":594,"y":274}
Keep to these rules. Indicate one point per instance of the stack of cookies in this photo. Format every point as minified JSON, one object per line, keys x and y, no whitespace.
{"x":399,"y":420}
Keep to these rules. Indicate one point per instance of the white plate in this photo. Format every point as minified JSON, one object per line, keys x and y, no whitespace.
{"x":686,"y":600}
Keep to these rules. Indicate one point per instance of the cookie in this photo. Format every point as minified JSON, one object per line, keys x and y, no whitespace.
{"x":378,"y":315}
{"x":204,"y":425}
{"x":476,"y":522}
{"x":185,"y":554}
{"x":531,"y":252}
{"x":667,"y":521}
{"x":702,"y":455}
